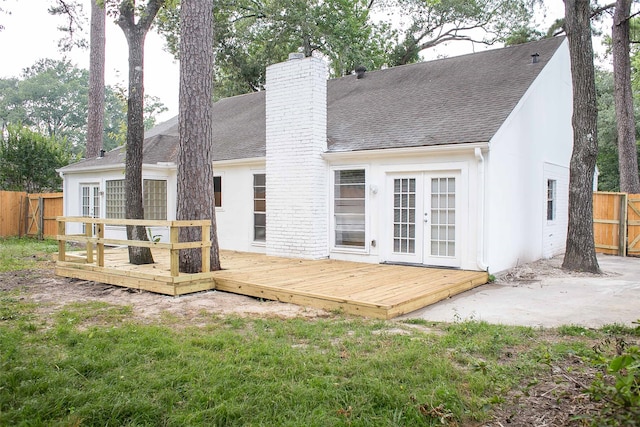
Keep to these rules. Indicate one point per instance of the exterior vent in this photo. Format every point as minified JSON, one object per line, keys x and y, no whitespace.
{"x":360,"y":70}
{"x":534,"y":58}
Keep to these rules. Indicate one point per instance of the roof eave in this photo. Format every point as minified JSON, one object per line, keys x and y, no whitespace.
{"x":406,"y":151}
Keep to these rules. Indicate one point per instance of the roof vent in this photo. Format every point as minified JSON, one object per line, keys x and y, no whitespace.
{"x":102,"y":153}
{"x":296,"y":55}
{"x":360,"y":70}
{"x":534,"y":58}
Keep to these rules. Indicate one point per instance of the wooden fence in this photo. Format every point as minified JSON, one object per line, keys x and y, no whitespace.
{"x":616,"y":223}
{"x":23,"y":214}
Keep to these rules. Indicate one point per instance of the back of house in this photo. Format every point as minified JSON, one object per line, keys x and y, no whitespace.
{"x":459,"y":162}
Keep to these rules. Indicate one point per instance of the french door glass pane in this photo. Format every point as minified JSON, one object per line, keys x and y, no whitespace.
{"x":443,"y":205}
{"x":404,"y":215}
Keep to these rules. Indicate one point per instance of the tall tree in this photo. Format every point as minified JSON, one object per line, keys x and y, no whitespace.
{"x":195,"y":121}
{"x":95,"y":112}
{"x":135,"y":33}
{"x":433,"y":22}
{"x":252,"y":34}
{"x":580,"y":252}
{"x":627,"y":147}
{"x":50,"y":96}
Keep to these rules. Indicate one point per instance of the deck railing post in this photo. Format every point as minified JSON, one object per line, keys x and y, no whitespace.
{"x":88,"y":232}
{"x":206,"y":247}
{"x":100,"y":249}
{"x":61,"y":240}
{"x":174,"y":257}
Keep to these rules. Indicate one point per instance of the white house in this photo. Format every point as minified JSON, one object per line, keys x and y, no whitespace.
{"x":460,"y":162}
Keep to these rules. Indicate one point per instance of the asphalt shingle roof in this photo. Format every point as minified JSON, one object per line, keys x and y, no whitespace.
{"x":456,"y":100}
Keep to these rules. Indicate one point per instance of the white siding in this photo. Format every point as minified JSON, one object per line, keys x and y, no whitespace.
{"x":538,"y":131}
{"x":72,"y":195}
{"x":555,"y":231}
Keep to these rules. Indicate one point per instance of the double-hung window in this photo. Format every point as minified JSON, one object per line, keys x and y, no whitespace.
{"x":349,"y":208}
{"x":551,"y":199}
{"x":259,"y":207}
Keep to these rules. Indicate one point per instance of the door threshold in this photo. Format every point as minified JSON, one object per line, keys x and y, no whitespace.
{"x":413,"y":264}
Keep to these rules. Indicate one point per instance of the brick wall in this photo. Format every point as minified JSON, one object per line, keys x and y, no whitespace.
{"x":296,"y":174}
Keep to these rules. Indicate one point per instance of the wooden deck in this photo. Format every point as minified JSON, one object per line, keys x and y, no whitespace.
{"x":372,"y":290}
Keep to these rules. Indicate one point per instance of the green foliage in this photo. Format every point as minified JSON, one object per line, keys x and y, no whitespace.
{"x":250,"y":35}
{"x":619,"y":384}
{"x":433,"y":22}
{"x":521,"y":35}
{"x":28,"y":160}
{"x":609,"y":176}
{"x":51,"y":97}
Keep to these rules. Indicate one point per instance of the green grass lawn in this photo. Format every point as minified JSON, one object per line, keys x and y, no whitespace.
{"x":21,"y":254}
{"x":93,"y":364}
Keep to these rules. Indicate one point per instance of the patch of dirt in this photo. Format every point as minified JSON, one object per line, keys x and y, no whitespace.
{"x":540,"y":269}
{"x":53,"y":292}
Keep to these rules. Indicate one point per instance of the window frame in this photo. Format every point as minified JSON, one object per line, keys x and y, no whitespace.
{"x":254,"y":212}
{"x":552,"y":199}
{"x":364,"y":249}
{"x":218,"y":201}
{"x":112,"y":205}
{"x":145,"y":198}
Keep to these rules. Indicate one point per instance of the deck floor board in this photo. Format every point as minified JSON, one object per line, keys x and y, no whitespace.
{"x":374,"y":290}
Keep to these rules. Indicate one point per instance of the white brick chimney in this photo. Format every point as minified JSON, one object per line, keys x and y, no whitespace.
{"x":296,"y":174}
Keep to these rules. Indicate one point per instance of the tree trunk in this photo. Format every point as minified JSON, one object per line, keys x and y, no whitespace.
{"x":626,"y":126}
{"x":195,"y":167}
{"x":95,"y":116}
{"x":135,"y":34}
{"x":580,"y":252}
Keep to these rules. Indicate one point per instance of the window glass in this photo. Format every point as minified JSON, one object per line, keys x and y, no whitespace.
{"x":551,"y":199}
{"x":259,"y":208}
{"x":155,"y":199}
{"x":349,"y":208}
{"x":217,"y":190}
{"x":114,"y":199}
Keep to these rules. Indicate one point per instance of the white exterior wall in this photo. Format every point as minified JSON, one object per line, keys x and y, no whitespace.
{"x":73,"y":203}
{"x":554,"y":236}
{"x":381,"y":168}
{"x":296,"y":174}
{"x":537,"y":132}
{"x":234,"y":219}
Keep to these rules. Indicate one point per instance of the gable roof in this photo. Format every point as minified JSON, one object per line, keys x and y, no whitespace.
{"x":463,"y":99}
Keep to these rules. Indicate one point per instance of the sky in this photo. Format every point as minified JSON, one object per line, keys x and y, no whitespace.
{"x":31,"y":34}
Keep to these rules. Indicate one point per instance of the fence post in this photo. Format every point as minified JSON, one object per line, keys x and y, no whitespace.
{"x":206,"y":247}
{"x":174,"y":254}
{"x":622,"y":229}
{"x":88,"y":232}
{"x":100,"y":250}
{"x":41,"y":218}
{"x":62,"y":240}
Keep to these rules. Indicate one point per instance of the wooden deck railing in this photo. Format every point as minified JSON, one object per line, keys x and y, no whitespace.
{"x":98,"y":240}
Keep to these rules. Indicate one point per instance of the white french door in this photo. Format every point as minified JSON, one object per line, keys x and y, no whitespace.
{"x":425,"y":218}
{"x":90,"y":200}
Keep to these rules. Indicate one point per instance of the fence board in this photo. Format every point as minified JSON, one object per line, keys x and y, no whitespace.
{"x":607,"y":217}
{"x":20,"y":213}
{"x":11,"y":213}
{"x":633,"y":225}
